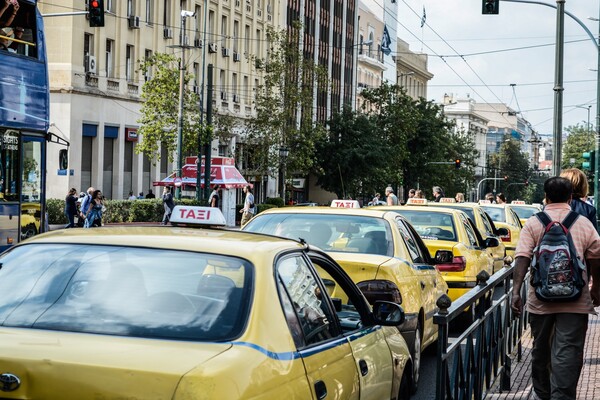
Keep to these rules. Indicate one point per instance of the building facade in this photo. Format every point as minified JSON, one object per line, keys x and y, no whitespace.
{"x":412,"y":73}
{"x":96,"y":87}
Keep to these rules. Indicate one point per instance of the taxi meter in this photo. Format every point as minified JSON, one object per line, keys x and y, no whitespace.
{"x":345,"y":204}
{"x":198,"y":216}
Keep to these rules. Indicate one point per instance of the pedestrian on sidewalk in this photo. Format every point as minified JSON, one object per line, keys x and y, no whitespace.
{"x":71,"y":207}
{"x":249,"y":210}
{"x":580,"y":192}
{"x":168,"y":204}
{"x":558,"y":328}
{"x":391,"y":198}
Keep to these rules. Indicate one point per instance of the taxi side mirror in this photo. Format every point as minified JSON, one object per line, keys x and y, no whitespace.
{"x":492,"y":242}
{"x":387,"y":313}
{"x":443,"y":257}
{"x":502,"y":231}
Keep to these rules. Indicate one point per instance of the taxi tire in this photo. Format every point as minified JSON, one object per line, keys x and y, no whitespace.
{"x":416,"y":358}
{"x":405,"y":390}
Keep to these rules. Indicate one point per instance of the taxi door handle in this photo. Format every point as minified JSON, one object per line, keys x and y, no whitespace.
{"x":320,"y":390}
{"x":364,"y":369}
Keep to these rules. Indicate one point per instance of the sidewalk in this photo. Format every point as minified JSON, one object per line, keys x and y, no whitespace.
{"x":589,"y":382}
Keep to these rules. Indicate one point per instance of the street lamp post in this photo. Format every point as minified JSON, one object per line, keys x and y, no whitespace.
{"x":588,"y":116}
{"x":182,"y":45}
{"x":283,"y":155}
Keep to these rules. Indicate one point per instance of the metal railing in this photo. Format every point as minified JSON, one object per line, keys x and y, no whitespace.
{"x":469,"y":366}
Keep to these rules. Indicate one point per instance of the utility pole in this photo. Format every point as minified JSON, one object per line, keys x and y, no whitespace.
{"x":199,"y":158}
{"x":208,"y":144}
{"x":180,"y":113}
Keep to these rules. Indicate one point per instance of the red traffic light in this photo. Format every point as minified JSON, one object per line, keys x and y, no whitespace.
{"x":457,"y":163}
{"x":96,"y":13}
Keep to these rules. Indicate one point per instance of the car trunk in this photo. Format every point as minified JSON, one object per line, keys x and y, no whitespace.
{"x":64,"y":365}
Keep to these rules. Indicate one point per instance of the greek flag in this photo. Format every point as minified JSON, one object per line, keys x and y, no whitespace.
{"x":423,"y":18}
{"x":386,"y":41}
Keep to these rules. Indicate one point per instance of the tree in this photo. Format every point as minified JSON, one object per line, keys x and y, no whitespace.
{"x":512,"y":163}
{"x":579,"y":140}
{"x":357,"y":145}
{"x":284,"y":106}
{"x":161,"y":107}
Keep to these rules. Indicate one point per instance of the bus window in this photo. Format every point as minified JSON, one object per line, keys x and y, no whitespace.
{"x":18,"y":33}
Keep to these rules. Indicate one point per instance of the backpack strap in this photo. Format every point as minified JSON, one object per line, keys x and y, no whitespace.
{"x":544,"y":218}
{"x":570,"y":219}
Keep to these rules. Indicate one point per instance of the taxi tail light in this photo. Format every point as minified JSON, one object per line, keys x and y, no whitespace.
{"x":505,"y":238}
{"x":380,"y":290}
{"x":458,"y":264}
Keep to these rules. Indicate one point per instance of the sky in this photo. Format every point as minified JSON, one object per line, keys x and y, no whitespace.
{"x":519,"y":50}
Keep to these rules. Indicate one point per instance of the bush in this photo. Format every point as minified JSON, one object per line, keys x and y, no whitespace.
{"x":143,"y":210}
{"x":276,"y":201}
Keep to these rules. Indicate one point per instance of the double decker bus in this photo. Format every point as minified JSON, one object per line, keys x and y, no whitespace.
{"x":24,"y":121}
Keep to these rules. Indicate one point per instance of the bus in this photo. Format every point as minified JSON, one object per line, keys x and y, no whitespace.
{"x":24,"y":121}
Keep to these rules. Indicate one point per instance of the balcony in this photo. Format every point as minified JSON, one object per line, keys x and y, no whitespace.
{"x":371,"y":57}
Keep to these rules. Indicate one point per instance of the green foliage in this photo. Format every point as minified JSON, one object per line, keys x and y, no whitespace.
{"x":275,"y":201}
{"x":118,"y":211}
{"x":579,"y":140}
{"x":56,"y":211}
{"x":284,"y":107}
{"x":510,"y":162}
{"x":160,"y":110}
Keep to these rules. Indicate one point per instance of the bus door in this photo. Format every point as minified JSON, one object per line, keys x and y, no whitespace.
{"x":33,"y":185}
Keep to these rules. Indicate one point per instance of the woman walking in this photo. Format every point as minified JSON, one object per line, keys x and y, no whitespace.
{"x":71,"y":207}
{"x":94,"y":214}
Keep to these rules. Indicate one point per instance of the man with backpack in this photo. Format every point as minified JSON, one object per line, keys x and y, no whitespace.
{"x":560,"y":248}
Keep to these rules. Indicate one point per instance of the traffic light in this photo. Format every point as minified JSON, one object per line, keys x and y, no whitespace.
{"x":96,"y":13}
{"x":590,"y":160}
{"x":526,"y":182}
{"x":505,"y":178}
{"x":490,"y":6}
{"x":457,"y":163}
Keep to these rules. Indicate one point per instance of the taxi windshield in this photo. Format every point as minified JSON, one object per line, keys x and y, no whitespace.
{"x":330,"y":232}
{"x":431,"y":225}
{"x":525,"y":212}
{"x":496,"y":213}
{"x":125,"y":291}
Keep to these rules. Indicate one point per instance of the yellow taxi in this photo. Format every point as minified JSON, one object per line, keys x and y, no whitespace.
{"x":180,"y":313}
{"x":485,"y":225}
{"x":504,"y":216}
{"x":380,"y":251}
{"x":524,"y":210}
{"x":452,"y":230}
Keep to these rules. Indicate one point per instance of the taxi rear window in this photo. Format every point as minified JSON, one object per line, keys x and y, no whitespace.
{"x":125,"y":291}
{"x":430,"y":225}
{"x":330,"y":232}
{"x":525,"y":212}
{"x":496,"y":213}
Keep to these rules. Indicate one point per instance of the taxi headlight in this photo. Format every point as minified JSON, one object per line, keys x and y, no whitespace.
{"x":380,"y":290}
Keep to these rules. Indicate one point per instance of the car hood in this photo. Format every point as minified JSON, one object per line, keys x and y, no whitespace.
{"x":59,"y":365}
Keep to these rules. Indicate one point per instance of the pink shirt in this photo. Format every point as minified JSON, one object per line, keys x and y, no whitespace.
{"x":587,"y":243}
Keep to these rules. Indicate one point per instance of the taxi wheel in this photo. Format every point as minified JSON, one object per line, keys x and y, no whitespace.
{"x":416,"y":358}
{"x":405,"y":385}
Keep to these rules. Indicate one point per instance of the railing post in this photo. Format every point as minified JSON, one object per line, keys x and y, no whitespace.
{"x":443,"y":303}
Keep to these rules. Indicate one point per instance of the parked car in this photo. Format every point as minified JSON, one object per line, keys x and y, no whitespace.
{"x":181,"y":313}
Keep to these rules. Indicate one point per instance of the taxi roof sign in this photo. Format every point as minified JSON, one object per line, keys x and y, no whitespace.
{"x":447,"y":200}
{"x":198,"y":216}
{"x":414,"y":201}
{"x":485,"y":202}
{"x":345,"y":204}
{"x":517,"y":202}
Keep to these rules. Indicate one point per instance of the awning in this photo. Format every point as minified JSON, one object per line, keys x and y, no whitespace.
{"x":222,"y":172}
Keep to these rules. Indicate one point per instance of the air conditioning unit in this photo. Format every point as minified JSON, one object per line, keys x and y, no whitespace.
{"x":213,"y":47}
{"x":90,"y":64}
{"x":196,"y":89}
{"x":224,"y":96}
{"x":236,"y":56}
{"x":198,"y":43}
{"x":168,"y":33}
{"x":225,"y":52}
{"x":236,"y":98}
{"x":134,"y":22}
